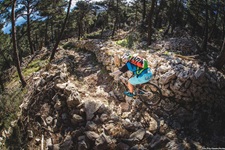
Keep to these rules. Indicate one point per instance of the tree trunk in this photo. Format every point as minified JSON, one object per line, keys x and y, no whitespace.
{"x":167,"y":28}
{"x":223,"y":32}
{"x":28,"y":28}
{"x":114,"y":27}
{"x":46,"y":33}
{"x":150,"y":16}
{"x":79,"y":30}
{"x":144,"y":11}
{"x":223,"y":35}
{"x":220,"y":61}
{"x":117,"y":17}
{"x":52,"y":34}
{"x":169,"y":23}
{"x":1,"y":83}
{"x":61,"y":33}
{"x":175,"y":16}
{"x":102,"y":30}
{"x":214,"y":24}
{"x":158,"y":19}
{"x":205,"y":40}
{"x":136,"y":15}
{"x":15,"y":54}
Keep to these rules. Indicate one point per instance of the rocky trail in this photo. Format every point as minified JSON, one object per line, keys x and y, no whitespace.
{"x":71,"y":106}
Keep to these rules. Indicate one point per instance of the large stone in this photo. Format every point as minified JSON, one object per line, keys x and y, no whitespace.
{"x":90,"y":108}
{"x":139,"y":134}
{"x":76,"y":119}
{"x":74,"y":99}
{"x":92,"y":135}
{"x":167,"y":77}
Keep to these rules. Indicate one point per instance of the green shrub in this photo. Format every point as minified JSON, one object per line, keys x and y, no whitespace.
{"x":15,"y":139}
{"x":122,"y":42}
{"x":129,"y":41}
{"x":93,"y":35}
{"x":9,"y":106}
{"x":34,"y":66}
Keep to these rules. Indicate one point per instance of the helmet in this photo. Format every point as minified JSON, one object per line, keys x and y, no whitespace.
{"x":126,"y":56}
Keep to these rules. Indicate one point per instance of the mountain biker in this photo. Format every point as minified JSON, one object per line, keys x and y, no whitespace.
{"x":139,"y":67}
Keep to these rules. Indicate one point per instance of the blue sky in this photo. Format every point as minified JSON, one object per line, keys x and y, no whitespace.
{"x":6,"y":29}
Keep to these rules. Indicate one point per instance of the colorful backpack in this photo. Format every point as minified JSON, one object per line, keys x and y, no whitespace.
{"x":139,"y":61}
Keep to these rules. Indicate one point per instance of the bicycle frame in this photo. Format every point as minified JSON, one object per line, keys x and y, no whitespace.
{"x":148,"y":93}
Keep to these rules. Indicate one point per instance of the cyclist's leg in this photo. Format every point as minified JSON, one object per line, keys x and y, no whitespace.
{"x":140,"y":80}
{"x":130,"y":87}
{"x":137,"y":80}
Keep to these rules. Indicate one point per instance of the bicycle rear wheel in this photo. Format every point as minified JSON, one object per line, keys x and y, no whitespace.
{"x":150,"y":94}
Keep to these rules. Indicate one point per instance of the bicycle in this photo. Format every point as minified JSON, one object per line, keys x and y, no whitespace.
{"x":149,"y":93}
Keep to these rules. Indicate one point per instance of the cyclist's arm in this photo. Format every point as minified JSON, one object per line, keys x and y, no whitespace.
{"x":124,"y":68}
{"x":120,"y":71}
{"x":131,"y":67}
{"x":115,"y":73}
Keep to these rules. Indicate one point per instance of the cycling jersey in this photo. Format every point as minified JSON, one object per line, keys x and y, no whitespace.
{"x":137,"y":71}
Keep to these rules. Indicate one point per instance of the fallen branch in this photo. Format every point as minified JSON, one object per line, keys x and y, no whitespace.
{"x":42,"y":142}
{"x":186,"y":57}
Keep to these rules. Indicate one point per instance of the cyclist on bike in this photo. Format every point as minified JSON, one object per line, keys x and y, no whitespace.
{"x":139,"y":67}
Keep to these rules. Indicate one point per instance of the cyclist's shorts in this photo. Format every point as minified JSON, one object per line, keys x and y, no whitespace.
{"x":140,"y":80}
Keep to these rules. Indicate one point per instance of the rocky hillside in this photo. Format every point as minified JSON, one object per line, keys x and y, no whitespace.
{"x":71,"y":103}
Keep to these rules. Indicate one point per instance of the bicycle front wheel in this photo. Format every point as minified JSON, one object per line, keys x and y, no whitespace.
{"x":150,"y":94}
{"x":118,"y":89}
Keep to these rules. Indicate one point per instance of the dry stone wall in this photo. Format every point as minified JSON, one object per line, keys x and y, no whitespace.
{"x":66,"y":113}
{"x":183,"y":80}
{"x":68,"y":109}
